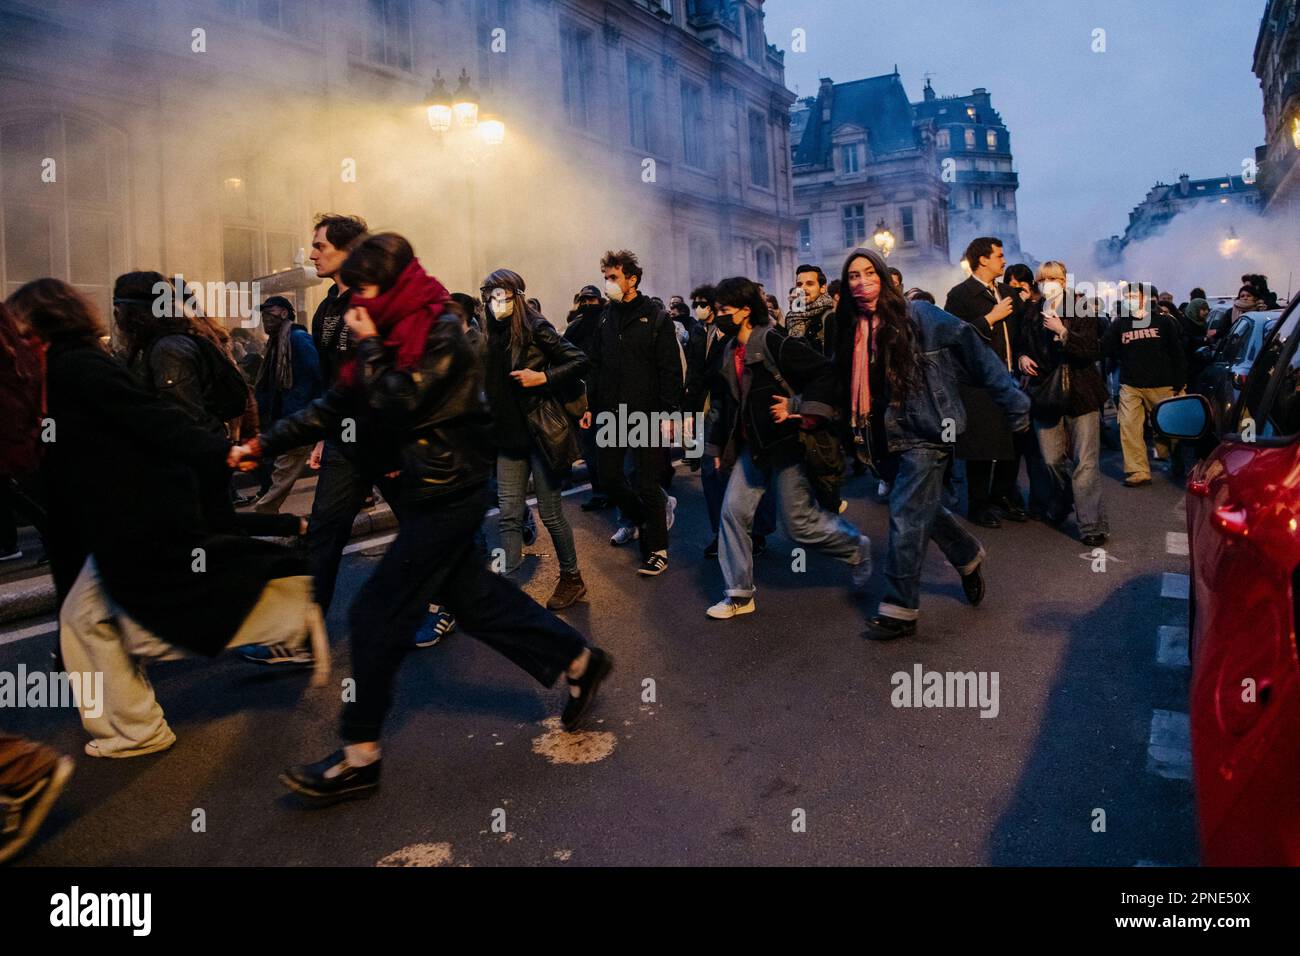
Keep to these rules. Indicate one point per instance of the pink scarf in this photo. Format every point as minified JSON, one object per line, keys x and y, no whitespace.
{"x":863,"y":347}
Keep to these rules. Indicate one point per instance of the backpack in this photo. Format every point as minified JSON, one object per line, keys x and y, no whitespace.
{"x":22,"y":399}
{"x":823,"y":456}
{"x":225,"y":390}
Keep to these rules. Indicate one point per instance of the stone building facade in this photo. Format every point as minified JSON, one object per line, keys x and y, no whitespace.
{"x":863,"y":159}
{"x":1277,"y":64}
{"x":972,"y":140}
{"x":200,"y":136}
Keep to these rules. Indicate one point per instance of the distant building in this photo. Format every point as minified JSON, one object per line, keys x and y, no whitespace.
{"x":200,"y":136}
{"x":1277,"y":64}
{"x":863,"y":159}
{"x":1164,"y":201}
{"x":973,"y":143}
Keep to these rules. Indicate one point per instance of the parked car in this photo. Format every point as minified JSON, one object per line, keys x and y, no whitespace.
{"x":1243,"y":524}
{"x":1226,"y":364}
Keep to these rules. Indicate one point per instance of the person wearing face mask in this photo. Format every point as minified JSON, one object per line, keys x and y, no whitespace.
{"x":776,"y":387}
{"x":636,"y":366}
{"x":527,"y":361}
{"x":1152,"y":367}
{"x":288,"y":379}
{"x":1023,"y":287}
{"x":704,"y":385}
{"x":1058,"y":351}
{"x":580,"y":329}
{"x":897,"y":366}
{"x":1246,"y":301}
{"x":416,"y":383}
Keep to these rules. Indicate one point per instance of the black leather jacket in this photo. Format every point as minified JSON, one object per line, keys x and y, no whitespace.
{"x":431,"y":421}
{"x":172,"y":367}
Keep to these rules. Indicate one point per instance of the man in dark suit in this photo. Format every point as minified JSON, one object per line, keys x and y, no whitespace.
{"x":987,"y":445}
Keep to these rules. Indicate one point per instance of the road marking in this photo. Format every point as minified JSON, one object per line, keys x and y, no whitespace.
{"x":1169,"y":748}
{"x":23,"y":633}
{"x":1176,"y":542}
{"x":382,"y":540}
{"x":1174,"y":586}
{"x":1171,"y":646}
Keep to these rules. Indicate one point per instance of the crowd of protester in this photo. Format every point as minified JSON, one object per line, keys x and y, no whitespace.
{"x":450,"y":404}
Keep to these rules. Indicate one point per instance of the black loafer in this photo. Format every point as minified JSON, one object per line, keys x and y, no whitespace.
{"x":576,"y":708}
{"x":309,"y":780}
{"x":883,"y":628}
{"x":1094,"y":540}
{"x":973,"y":585}
{"x":985,"y":519}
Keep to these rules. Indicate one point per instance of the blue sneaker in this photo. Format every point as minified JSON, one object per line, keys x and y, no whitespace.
{"x":437,"y":625}
{"x":277,"y":654}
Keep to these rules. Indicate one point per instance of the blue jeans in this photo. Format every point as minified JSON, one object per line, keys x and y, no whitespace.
{"x":1077,"y":438}
{"x":806,"y":522}
{"x":915,"y":516}
{"x":512,"y":498}
{"x":714,"y":485}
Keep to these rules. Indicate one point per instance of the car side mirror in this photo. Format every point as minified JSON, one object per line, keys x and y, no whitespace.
{"x":1183,"y":416}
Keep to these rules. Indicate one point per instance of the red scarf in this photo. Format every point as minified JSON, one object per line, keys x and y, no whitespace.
{"x":403,"y":314}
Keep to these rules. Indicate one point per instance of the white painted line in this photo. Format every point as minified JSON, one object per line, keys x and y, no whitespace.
{"x":1174,"y":586}
{"x":33,"y":630}
{"x":1176,"y":542}
{"x":382,"y":540}
{"x":1171,"y":646}
{"x":1169,"y":748}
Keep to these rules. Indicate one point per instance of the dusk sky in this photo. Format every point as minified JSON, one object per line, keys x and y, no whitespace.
{"x":1090,"y":132}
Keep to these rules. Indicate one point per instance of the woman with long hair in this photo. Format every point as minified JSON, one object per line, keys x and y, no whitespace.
{"x":528,"y":368}
{"x":897,"y":366}
{"x":411,"y":397}
{"x":144,"y":576}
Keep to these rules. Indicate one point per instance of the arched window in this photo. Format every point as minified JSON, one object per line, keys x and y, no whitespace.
{"x":765,"y":265}
{"x":62,"y":186}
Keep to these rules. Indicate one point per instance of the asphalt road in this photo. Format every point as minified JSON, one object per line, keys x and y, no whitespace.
{"x":770,"y":739}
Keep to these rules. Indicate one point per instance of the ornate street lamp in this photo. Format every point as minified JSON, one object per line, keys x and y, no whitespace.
{"x":492,"y":130}
{"x":1229,"y":246}
{"x":465,"y":103}
{"x":883,"y":238}
{"x":439,"y":105}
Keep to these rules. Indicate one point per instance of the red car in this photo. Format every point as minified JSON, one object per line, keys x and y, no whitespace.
{"x":1243,"y":524}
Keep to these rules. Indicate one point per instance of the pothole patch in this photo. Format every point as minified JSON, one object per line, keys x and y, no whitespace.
{"x":584,"y":746}
{"x":419,"y":854}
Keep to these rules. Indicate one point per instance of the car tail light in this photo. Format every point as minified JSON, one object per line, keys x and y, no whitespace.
{"x":1232,"y":520}
{"x":1199,"y":487}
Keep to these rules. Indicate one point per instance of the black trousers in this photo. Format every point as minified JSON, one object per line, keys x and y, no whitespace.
{"x":341,"y":490}
{"x":988,"y":481}
{"x":436,"y":559}
{"x":643,"y":506}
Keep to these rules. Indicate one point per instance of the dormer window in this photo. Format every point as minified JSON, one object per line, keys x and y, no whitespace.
{"x":970,"y":111}
{"x":849,"y":158}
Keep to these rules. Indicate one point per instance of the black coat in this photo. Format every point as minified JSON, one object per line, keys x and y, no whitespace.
{"x":124,"y":477}
{"x":543,"y":350}
{"x":431,"y":422}
{"x":987,"y":435}
{"x":635,"y":360}
{"x":703,"y":361}
{"x":747,"y":401}
{"x":1080,"y":351}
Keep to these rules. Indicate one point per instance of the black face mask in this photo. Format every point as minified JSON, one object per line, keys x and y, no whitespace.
{"x":726,"y":324}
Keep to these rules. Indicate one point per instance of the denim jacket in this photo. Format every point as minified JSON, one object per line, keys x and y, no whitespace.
{"x":951,"y":352}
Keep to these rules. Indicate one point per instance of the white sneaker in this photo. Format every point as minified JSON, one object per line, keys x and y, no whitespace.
{"x":16,"y":554}
{"x":671,"y":512}
{"x":623,"y":535}
{"x":730,"y":607}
